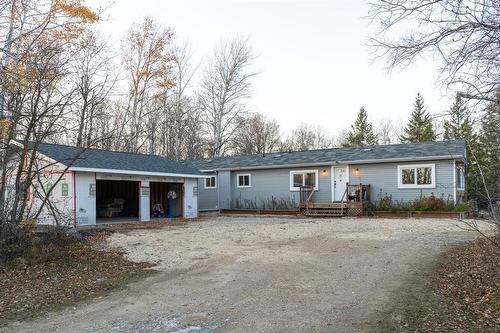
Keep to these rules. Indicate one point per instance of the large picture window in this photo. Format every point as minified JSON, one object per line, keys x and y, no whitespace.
{"x":244,"y":180}
{"x":303,"y":178}
{"x":211,"y":182}
{"x":417,"y":176}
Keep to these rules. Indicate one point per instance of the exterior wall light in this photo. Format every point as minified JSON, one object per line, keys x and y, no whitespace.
{"x":356,"y":172}
{"x":324,"y":172}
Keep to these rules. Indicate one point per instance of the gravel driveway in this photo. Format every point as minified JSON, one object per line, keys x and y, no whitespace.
{"x":262,"y":274}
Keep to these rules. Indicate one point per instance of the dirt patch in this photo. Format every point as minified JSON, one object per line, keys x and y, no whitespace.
{"x":262,"y":274}
{"x":68,"y":275}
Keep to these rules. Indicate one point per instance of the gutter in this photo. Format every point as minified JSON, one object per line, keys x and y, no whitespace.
{"x":372,"y":161}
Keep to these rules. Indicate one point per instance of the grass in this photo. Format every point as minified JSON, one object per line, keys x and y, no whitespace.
{"x":70,"y":274}
{"x":460,"y":294}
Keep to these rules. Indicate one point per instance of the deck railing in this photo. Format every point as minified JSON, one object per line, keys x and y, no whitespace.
{"x":357,"y":192}
{"x":306,"y":193}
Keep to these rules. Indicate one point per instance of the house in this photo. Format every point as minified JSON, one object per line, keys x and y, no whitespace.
{"x":91,"y":186}
{"x":328,"y":176}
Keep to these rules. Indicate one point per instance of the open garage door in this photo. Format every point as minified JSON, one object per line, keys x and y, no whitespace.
{"x":159,"y":199}
{"x":117,"y":200}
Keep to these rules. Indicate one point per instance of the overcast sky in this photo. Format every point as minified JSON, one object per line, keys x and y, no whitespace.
{"x":313,"y":62}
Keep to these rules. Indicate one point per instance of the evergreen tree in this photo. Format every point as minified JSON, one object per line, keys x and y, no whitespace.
{"x":459,"y":125}
{"x":420,"y":126}
{"x":487,"y":153}
{"x":361,"y":133}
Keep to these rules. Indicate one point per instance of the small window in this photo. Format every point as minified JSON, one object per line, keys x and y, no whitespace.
{"x":416,"y":176}
{"x":244,"y":180}
{"x":211,"y":182}
{"x":460,"y":177}
{"x":303,"y":178}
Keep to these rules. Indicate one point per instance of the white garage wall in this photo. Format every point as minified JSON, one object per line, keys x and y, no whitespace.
{"x":85,"y":198}
{"x":190,"y":209}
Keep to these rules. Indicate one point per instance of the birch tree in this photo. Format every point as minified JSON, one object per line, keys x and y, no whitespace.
{"x":225,"y":88}
{"x":147,"y":61}
{"x":95,"y":79}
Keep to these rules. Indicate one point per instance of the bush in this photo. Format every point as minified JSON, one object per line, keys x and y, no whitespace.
{"x":21,"y":246}
{"x":430,"y":203}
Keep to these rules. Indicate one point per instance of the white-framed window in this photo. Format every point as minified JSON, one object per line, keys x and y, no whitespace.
{"x":244,"y":180}
{"x":460,"y":177}
{"x":211,"y":182}
{"x":417,"y":176}
{"x":300,"y":178}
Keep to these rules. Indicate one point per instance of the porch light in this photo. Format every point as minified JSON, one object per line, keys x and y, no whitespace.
{"x":324,"y":172}
{"x":356,"y":172}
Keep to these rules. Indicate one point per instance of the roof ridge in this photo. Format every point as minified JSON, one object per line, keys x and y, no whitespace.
{"x":105,"y":150}
{"x":321,"y":149}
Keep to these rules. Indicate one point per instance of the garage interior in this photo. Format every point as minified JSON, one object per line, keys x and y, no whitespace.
{"x":159,"y":199}
{"x":117,"y":199}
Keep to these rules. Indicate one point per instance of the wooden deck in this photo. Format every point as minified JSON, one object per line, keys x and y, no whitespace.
{"x":332,"y":209}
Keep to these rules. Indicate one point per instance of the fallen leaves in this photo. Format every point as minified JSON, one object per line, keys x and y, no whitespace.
{"x":463,"y":294}
{"x":73,"y":273}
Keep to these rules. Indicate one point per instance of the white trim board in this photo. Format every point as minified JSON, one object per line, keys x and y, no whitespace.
{"x":134,"y":172}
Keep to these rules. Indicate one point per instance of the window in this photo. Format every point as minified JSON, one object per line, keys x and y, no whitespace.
{"x":460,"y":177}
{"x":244,"y":180}
{"x":303,"y":178}
{"x":416,"y":176}
{"x":211,"y":182}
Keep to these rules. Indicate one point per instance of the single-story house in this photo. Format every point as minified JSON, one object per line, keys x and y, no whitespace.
{"x":90,"y":186}
{"x":402,"y":171}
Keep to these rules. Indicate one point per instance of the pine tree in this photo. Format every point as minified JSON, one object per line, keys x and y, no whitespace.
{"x":361,"y":133}
{"x":420,"y":126}
{"x":487,"y":152}
{"x":459,"y":125}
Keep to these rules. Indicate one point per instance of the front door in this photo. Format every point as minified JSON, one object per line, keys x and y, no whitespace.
{"x":339,"y":182}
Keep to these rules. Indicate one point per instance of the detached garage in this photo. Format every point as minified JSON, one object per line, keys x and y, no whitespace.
{"x":107,"y":186}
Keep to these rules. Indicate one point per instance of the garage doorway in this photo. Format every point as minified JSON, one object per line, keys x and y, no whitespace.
{"x":159,"y":199}
{"x":117,"y":200}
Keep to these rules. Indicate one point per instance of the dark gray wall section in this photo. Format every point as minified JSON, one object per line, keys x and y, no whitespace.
{"x":383,"y":179}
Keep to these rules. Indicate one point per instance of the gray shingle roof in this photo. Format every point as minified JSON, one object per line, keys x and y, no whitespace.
{"x":418,"y":151}
{"x":106,"y":159}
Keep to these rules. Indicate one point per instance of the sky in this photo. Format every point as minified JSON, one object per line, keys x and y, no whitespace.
{"x":313,"y":62}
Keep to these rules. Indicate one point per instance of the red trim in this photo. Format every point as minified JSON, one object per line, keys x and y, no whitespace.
{"x":74,"y":196}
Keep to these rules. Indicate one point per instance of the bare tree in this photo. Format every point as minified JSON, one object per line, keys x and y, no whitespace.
{"x":225,"y":87}
{"x":147,"y":60}
{"x":464,"y":35}
{"x":258,"y":135}
{"x":95,"y":78}
{"x":387,"y":131}
{"x":36,"y":94}
{"x":307,"y":137}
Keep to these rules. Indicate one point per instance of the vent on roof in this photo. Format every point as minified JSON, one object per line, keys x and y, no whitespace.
{"x":209,"y":160}
{"x":367,"y":149}
{"x":277,"y":155}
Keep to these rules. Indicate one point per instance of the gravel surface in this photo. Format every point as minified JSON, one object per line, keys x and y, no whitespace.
{"x":263,"y":274}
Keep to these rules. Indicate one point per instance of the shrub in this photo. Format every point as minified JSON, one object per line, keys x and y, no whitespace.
{"x":430,"y":203}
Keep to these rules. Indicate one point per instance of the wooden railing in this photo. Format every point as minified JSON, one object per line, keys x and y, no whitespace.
{"x":306,"y":193}
{"x":357,"y":192}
